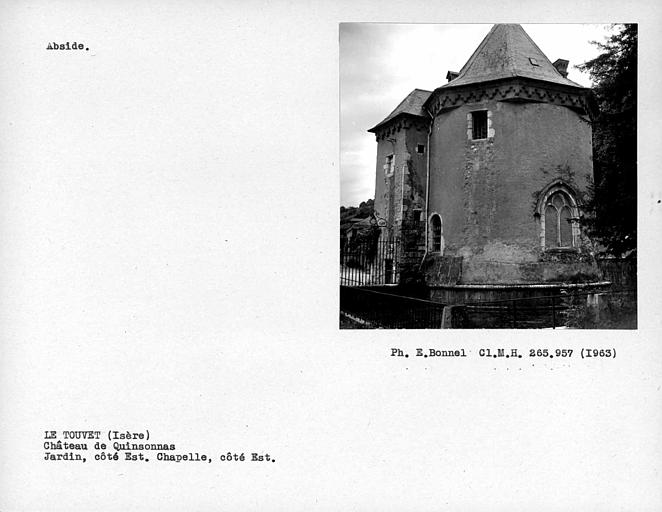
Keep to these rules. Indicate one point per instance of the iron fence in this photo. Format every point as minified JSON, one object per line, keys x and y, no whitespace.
{"x":569,"y":308}
{"x":369,"y":262}
{"x":517,"y":313}
{"x":380,"y":310}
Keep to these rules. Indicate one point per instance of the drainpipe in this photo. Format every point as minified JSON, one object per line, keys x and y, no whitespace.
{"x":402,"y":193}
{"x":427,"y":189}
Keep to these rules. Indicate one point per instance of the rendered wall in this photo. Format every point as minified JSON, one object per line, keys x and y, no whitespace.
{"x":486,"y":190}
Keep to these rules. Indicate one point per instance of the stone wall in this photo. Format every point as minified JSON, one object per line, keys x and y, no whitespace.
{"x":398,"y":195}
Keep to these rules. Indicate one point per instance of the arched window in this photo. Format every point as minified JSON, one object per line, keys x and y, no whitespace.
{"x":436,"y":241}
{"x":558,"y":215}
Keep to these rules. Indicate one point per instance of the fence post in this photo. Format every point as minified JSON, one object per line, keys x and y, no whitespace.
{"x":594,"y":305}
{"x":447,"y":317}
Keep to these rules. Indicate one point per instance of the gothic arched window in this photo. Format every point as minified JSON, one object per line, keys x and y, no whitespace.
{"x":558,"y":214}
{"x":436,"y":244}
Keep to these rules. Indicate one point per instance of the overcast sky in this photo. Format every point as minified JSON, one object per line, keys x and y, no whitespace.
{"x":381,"y":63}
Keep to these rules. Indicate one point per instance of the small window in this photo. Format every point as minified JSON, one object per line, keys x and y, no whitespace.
{"x":479,"y":124}
{"x":533,"y":61}
{"x":417,"y":215}
{"x":388,"y":166}
{"x":420,"y":148}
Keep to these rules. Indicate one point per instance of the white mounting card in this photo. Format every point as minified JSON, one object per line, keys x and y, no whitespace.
{"x":169,"y":297}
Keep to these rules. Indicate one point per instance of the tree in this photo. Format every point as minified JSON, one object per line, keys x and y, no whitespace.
{"x":613,"y":198}
{"x":350,"y":213}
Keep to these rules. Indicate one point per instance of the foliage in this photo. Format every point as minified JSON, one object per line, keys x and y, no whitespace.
{"x":612,"y":204}
{"x":347,"y":214}
{"x":365,"y":209}
{"x":618,"y":311}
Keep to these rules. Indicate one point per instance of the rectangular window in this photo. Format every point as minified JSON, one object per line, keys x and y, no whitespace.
{"x":417,"y":215}
{"x":388,"y":166}
{"x":479,"y":124}
{"x":420,"y":148}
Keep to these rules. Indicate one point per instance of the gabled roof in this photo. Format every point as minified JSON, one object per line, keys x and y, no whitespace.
{"x":412,"y":104}
{"x":508,"y":51}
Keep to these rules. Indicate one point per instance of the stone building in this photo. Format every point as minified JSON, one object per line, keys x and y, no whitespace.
{"x":484,"y":177}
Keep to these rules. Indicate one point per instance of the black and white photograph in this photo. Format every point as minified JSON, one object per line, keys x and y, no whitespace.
{"x":182,"y":330}
{"x":488,"y":176}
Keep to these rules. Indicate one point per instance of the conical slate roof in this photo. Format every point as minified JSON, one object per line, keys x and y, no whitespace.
{"x":508,"y":51}
{"x":412,"y":104}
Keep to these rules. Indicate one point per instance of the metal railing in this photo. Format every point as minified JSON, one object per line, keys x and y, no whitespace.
{"x":369,"y":262}
{"x":379,"y":310}
{"x":547,"y":311}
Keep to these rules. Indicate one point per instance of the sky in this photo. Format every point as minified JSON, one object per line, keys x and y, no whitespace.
{"x":381,"y":63}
